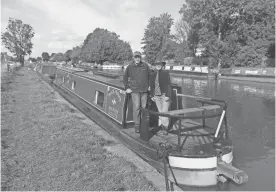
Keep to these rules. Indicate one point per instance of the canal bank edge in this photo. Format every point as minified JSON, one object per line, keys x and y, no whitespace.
{"x":251,"y":79}
{"x":253,"y":74}
{"x":150,"y":173}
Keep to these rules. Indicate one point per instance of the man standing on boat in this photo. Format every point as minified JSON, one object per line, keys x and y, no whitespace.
{"x":161,"y":92}
{"x":136,"y":81}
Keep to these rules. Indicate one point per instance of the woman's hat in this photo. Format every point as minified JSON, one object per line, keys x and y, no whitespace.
{"x":137,"y":54}
{"x":159,"y":62}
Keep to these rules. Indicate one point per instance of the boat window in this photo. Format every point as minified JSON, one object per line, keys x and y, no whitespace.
{"x":99,"y":98}
{"x":73,"y":85}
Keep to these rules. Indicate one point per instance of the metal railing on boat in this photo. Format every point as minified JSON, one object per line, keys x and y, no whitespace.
{"x":223,"y":169}
{"x":179,"y":115}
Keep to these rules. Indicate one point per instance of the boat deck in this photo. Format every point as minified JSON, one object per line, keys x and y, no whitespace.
{"x":193,"y":145}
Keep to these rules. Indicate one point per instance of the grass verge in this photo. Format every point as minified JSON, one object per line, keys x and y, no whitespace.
{"x":45,"y":146}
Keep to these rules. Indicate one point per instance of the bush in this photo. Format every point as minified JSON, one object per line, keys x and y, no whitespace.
{"x":270,"y":62}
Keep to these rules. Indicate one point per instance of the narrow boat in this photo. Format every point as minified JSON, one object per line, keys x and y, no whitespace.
{"x":189,"y":70}
{"x":197,"y":152}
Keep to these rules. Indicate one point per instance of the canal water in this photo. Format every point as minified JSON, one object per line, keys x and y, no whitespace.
{"x":251,"y":121}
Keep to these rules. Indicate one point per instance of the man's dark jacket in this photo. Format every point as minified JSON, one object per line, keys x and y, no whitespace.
{"x":136,"y":77}
{"x":164,"y":83}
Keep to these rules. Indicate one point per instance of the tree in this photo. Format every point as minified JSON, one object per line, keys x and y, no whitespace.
{"x":186,"y":39}
{"x":17,"y":38}
{"x":67,"y":55}
{"x":124,"y":52}
{"x":39,"y":59}
{"x":45,"y":56}
{"x":103,"y":45}
{"x":187,"y":27}
{"x":157,"y":36}
{"x":32,"y":59}
{"x":232,"y":32}
{"x":255,"y":32}
{"x":75,"y":56}
{"x":58,"y":57}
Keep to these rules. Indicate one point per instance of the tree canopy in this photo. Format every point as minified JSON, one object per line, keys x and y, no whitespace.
{"x":233,"y":32}
{"x":103,"y":45}
{"x":75,"y":56}
{"x":67,"y":55}
{"x":17,"y":38}
{"x":45,"y":56}
{"x":227,"y":32}
{"x":57,"y":57}
{"x":157,"y":38}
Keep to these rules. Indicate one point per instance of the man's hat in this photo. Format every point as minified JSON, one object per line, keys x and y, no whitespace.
{"x":137,"y":53}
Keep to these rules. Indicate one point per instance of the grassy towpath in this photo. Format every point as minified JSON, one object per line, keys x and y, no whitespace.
{"x":45,"y":146}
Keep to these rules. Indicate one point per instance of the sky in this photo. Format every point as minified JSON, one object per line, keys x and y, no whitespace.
{"x":60,"y":25}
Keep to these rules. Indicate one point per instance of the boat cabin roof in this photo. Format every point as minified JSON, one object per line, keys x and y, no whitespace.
{"x":116,"y":82}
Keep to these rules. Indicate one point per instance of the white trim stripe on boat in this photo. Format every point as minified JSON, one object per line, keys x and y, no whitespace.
{"x":193,"y":163}
{"x":194,"y":178}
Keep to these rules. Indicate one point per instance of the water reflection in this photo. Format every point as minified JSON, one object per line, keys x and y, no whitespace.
{"x":177,"y":80}
{"x":252,"y":90}
{"x":235,"y":87}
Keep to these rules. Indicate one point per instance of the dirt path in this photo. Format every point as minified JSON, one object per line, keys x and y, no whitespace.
{"x":45,"y":146}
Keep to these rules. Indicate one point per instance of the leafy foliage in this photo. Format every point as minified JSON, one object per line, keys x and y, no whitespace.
{"x":57,"y":57}
{"x":182,"y":35}
{"x":45,"y":56}
{"x":232,"y":32}
{"x":67,"y":55}
{"x":32,"y":59}
{"x":103,"y":45}
{"x":75,"y":56}
{"x":17,"y":38}
{"x":157,"y":38}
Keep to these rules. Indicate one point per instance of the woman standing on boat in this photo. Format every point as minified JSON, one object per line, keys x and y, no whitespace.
{"x":136,"y":81}
{"x":160,"y":92}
